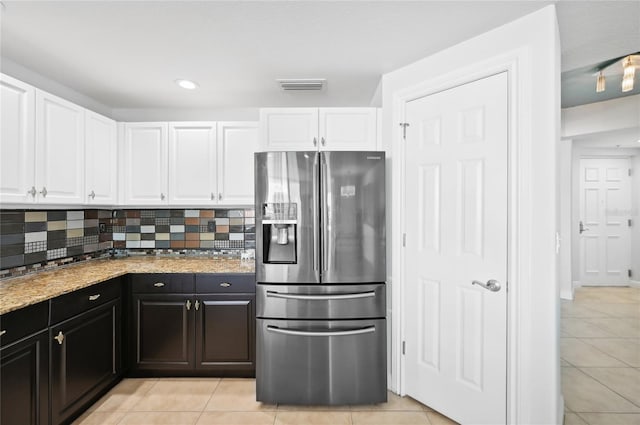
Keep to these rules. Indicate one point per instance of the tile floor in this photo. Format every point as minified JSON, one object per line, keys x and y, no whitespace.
{"x":600,"y":356}
{"x":185,"y":401}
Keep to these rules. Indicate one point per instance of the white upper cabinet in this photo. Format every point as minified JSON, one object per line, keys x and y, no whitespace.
{"x":318,"y":129}
{"x":101,"y":140}
{"x":59,"y":150}
{"x":144,"y":161}
{"x":192,"y":163}
{"x":17,"y":146}
{"x":237,"y":142}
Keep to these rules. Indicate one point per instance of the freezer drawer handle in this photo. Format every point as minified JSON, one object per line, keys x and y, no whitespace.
{"x":356,"y":295}
{"x":94,"y":297}
{"x":359,"y":331}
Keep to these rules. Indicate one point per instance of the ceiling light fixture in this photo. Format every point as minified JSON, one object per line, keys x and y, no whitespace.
{"x":600,"y":83}
{"x":628,"y":75}
{"x":187,"y":84}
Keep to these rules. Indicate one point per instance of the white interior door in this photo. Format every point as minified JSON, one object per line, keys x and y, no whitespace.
{"x":605,"y":210}
{"x":456,"y":233}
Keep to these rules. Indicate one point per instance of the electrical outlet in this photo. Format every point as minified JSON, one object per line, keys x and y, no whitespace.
{"x":211,"y":226}
{"x":102,"y":227}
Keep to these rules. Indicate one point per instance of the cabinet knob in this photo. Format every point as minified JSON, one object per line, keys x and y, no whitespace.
{"x":162,"y":196}
{"x":94,"y":297}
{"x":158,"y":284}
{"x":197,"y":305}
{"x":188,"y":304}
{"x":213,"y":196}
{"x":219,"y":196}
{"x":323,"y":141}
{"x":59,"y":337}
{"x":44,"y":192}
{"x":2,"y":332}
{"x":92,"y":195}
{"x":225,"y":284}
{"x":315,"y":141}
{"x":32,"y":192}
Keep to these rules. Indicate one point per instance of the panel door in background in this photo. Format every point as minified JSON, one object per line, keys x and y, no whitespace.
{"x":237,"y":142}
{"x":605,"y":211}
{"x":192,"y":163}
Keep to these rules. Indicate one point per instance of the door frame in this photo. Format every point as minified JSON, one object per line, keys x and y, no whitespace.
{"x":520,"y":213}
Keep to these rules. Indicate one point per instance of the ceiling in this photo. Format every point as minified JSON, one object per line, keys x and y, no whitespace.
{"x":127,"y":54}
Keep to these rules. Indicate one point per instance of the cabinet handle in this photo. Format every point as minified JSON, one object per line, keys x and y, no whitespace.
{"x":162,"y":196}
{"x":92,"y":195}
{"x":44,"y":192}
{"x":315,"y":141}
{"x":188,"y":304}
{"x":2,"y":332}
{"x":59,"y":337}
{"x":32,"y":192}
{"x":323,"y":141}
{"x":225,"y":284}
{"x":94,"y":297}
{"x":158,"y":284}
{"x":197,"y":305}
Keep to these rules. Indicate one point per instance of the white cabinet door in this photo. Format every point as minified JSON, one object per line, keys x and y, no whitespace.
{"x":237,"y":142}
{"x":144,"y":156}
{"x":352,"y":129}
{"x":59,"y":150}
{"x":289,"y":129}
{"x":192,"y":163}
{"x":17,"y":146}
{"x":100,"y":159}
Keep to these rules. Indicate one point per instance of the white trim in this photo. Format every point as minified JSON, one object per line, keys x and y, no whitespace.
{"x":634,"y":283}
{"x":566,"y":295}
{"x":517,"y":64}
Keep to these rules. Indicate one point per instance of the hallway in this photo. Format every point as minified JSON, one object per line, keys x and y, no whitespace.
{"x":600,"y":356}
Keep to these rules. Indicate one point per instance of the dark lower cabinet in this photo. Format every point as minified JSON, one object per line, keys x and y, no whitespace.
{"x":225,"y":334}
{"x":163,"y":332}
{"x":24,"y":381}
{"x":85,"y":359}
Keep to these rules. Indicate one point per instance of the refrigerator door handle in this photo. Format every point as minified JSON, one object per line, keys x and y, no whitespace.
{"x":322,"y":297}
{"x":316,"y":180}
{"x":326,"y":333}
{"x":324,"y":185}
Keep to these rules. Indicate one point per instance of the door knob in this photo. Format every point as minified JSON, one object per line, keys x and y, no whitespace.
{"x":492,"y":285}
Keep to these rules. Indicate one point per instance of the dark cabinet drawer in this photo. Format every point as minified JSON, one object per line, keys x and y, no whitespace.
{"x":21,"y":323}
{"x":225,"y":283}
{"x":162,"y":283}
{"x":68,"y":305}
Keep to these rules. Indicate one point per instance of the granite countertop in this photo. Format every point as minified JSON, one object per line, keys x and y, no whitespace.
{"x":22,"y":291}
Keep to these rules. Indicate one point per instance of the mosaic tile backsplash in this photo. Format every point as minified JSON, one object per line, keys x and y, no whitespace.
{"x":32,"y":239}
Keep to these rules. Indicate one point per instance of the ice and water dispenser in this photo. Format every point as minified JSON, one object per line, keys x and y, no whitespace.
{"x":279,"y":231}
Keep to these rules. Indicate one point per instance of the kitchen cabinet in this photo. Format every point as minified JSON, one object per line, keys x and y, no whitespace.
{"x":144,"y":163}
{"x":101,"y":141}
{"x":200,"y":325}
{"x":211,"y":163}
{"x":24,"y":366}
{"x":285,"y":129}
{"x":17,"y":145}
{"x":59,"y":158}
{"x":85,"y":340}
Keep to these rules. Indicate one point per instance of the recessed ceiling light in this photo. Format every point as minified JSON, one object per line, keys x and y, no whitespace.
{"x":187,"y":84}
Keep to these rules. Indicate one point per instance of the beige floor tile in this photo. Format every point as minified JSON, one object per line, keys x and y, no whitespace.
{"x":573,"y":419}
{"x":390,"y":418}
{"x":394,"y":402}
{"x":579,"y":353}
{"x":124,"y":396}
{"x":624,"y":349}
{"x":625,"y":381}
{"x":606,"y":294}
{"x":582,"y":393}
{"x":237,"y":418}
{"x":305,"y":408}
{"x":160,"y":418}
{"x":236,"y":395}
{"x":616,"y":309}
{"x":438,"y":419}
{"x":177,"y":396}
{"x":99,"y":418}
{"x":611,"y":418}
{"x":618,"y":327}
{"x":582,"y":328}
{"x":313,"y":418}
{"x":571,"y":309}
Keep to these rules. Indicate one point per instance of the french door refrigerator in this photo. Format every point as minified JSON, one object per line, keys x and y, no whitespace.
{"x":320,"y":273}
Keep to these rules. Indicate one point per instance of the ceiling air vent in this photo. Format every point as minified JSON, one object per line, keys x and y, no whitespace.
{"x":302,"y":84}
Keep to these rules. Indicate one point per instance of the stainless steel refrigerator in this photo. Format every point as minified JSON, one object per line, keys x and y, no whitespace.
{"x":320,"y":273}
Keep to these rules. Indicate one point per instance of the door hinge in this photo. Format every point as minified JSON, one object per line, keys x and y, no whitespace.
{"x":404,"y":126}
{"x":630,"y":222}
{"x":630,"y":273}
{"x":404,"y":239}
{"x":404,"y":346}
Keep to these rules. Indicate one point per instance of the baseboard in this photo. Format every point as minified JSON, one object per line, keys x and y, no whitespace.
{"x":566,"y":294}
{"x":560,"y":409}
{"x":576,"y":284}
{"x":634,"y":283}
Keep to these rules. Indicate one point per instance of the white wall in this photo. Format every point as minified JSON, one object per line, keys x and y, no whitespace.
{"x":565,"y":209}
{"x":534,"y":378}
{"x":600,"y":117}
